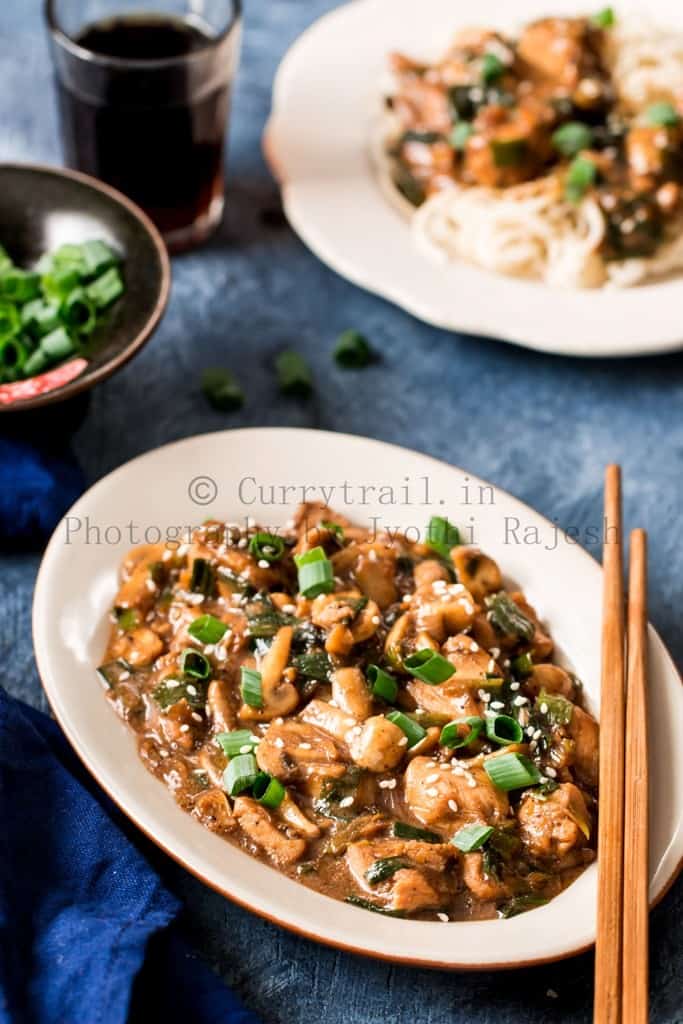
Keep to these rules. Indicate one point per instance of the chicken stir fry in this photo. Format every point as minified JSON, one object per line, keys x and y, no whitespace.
{"x":497,"y":112}
{"x":378,"y":718}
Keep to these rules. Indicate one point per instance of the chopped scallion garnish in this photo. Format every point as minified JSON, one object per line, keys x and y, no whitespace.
{"x":461,"y":733}
{"x":511,"y":771}
{"x":293,"y":375}
{"x":570,"y":138}
{"x":402,"y":830}
{"x":352,"y":351}
{"x":202,"y":578}
{"x":222,"y":389}
{"x":662,"y":114}
{"x":472,"y":837}
{"x":315,"y":573}
{"x":382,"y":683}
{"x":207,"y":629}
{"x":412,"y":729}
{"x":429,"y":666}
{"x":442,"y":536}
{"x":503,"y":730}
{"x":241,"y":741}
{"x":581,"y":174}
{"x":241,"y":773}
{"x":268,"y":790}
{"x":267,"y":547}
{"x":194,"y":664}
{"x":251,"y":687}
{"x":604,"y":18}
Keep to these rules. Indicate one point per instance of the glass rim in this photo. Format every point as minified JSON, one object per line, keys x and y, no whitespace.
{"x":83,"y":53}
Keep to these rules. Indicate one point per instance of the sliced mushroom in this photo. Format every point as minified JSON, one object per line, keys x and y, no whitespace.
{"x":350,"y":691}
{"x":280,"y":697}
{"x":479,"y":573}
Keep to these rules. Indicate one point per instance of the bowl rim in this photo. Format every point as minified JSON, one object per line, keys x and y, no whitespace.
{"x":88,"y":380}
{"x":311,"y":933}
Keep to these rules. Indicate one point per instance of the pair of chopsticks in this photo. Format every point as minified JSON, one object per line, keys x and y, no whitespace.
{"x":621,"y":948}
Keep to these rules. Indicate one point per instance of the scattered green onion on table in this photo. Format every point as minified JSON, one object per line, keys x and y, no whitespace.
{"x":50,"y":313}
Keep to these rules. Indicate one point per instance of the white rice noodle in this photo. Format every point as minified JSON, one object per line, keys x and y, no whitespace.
{"x":646,"y":62}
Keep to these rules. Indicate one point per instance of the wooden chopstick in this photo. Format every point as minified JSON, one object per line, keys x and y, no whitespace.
{"x":608,"y":944}
{"x":636,"y":868}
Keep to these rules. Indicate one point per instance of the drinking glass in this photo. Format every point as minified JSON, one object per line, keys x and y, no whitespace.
{"x":144,"y":95}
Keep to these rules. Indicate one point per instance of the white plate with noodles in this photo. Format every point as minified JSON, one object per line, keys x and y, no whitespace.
{"x":573,"y":248}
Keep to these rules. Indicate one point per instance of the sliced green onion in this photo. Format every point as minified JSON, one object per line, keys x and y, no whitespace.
{"x":35,"y":363}
{"x":471,"y":837}
{"x":58,"y":283}
{"x":352,"y":351}
{"x":429,"y":666}
{"x":222,"y":390}
{"x":13,"y":355}
{"x":127,"y":619}
{"x":492,"y":68}
{"x":511,"y":771}
{"x":402,"y":830}
{"x":315,"y":573}
{"x":293,"y":375}
{"x":240,"y":741}
{"x":97,"y":257}
{"x":78,"y":311}
{"x":662,"y":114}
{"x":106,"y":289}
{"x":241,"y":773}
{"x":508,"y":152}
{"x":267,"y":547}
{"x":268,"y":790}
{"x":413,"y":730}
{"x":508,"y":618}
{"x":570,"y":138}
{"x":604,"y":18}
{"x":382,"y":683}
{"x":19,"y":285}
{"x":10,"y":321}
{"x":383,"y":869}
{"x":57,"y":345}
{"x":503,"y":730}
{"x":207,"y":629}
{"x":172,"y":690}
{"x":251,"y":687}
{"x":581,"y":174}
{"x":442,"y":536}
{"x":557,"y":708}
{"x":522,"y":665}
{"x":40,"y":317}
{"x":202,"y":578}
{"x":194,"y":664}
{"x":452,"y":735}
{"x":460,"y":135}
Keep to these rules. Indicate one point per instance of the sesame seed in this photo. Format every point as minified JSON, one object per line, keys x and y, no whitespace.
{"x":519,"y":702}
{"x":474,"y":646}
{"x":552,"y":994}
{"x":246,"y":749}
{"x":433,"y":778}
{"x":192,"y":690}
{"x":444,"y":766}
{"x":486,"y":698}
{"x":263,"y":563}
{"x":432,"y":791}
{"x":403,"y":742}
{"x":533,"y":745}
{"x":514,"y":686}
{"x":163,"y":753}
{"x":288,"y":609}
{"x":497,"y":705}
{"x":372,"y":555}
{"x":550,"y":772}
{"x":453,"y":806}
{"x":278,"y":742}
{"x":443,"y":917}
{"x":491,"y":667}
{"x":387,"y":784}
{"x":544,"y":708}
{"x":375,"y":620}
{"x":495,"y":652}
{"x":471,"y":782}
{"x":197,"y":717}
{"x":305,"y":746}
{"x":151,"y":585}
{"x":535,"y":733}
{"x":346,"y":801}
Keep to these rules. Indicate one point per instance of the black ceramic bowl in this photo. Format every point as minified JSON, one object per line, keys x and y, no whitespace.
{"x":44,"y":207}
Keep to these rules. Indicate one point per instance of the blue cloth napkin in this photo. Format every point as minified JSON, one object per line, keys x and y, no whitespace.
{"x":37,"y":485}
{"x":85,"y":923}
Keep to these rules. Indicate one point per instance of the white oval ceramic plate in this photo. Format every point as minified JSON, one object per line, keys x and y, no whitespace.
{"x":318,"y":142}
{"x":219,"y":475}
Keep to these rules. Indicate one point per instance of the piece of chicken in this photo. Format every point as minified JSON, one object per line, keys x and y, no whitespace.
{"x":257,"y":823}
{"x":585,"y":733}
{"x":555,"y":826}
{"x":447,"y":800}
{"x":289,"y":748}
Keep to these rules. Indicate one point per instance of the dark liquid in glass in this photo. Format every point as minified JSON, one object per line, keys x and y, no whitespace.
{"x":157,"y":139}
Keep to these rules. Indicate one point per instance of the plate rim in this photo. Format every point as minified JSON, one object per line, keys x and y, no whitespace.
{"x":223,"y":890}
{"x":342,"y":262}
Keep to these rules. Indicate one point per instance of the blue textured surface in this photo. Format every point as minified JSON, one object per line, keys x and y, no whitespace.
{"x":539,"y":426}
